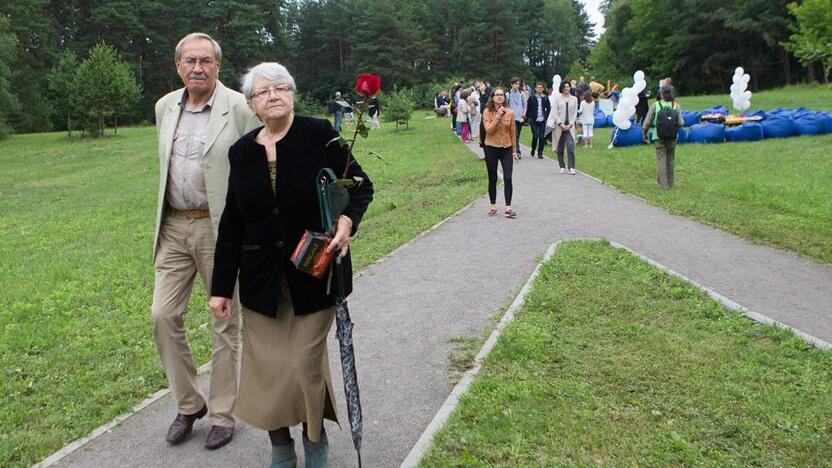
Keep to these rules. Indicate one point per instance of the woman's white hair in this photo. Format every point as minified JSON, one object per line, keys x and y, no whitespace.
{"x":272,"y":72}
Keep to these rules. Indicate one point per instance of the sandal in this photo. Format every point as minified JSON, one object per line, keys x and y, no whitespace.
{"x":510,"y":213}
{"x":492,"y":212}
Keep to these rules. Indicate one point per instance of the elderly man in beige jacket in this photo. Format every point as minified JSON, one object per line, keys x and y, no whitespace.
{"x":196,"y":125}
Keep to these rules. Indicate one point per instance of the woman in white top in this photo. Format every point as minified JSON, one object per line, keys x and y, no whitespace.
{"x":475,"y":116}
{"x":587,"y":118}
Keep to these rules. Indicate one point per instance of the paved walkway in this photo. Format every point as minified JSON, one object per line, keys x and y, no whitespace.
{"x":453,"y":282}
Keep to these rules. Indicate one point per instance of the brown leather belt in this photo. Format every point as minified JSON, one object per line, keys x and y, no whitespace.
{"x":192,"y":214}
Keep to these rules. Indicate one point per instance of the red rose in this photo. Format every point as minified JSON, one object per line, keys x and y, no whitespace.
{"x":368,"y":84}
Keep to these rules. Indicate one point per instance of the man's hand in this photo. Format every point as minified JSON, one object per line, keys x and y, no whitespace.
{"x":220,"y":307}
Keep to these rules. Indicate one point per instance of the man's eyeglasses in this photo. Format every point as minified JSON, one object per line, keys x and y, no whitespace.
{"x":265,"y":92}
{"x":206,"y":62}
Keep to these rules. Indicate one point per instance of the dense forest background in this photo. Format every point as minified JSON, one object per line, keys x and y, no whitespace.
{"x":417,"y":45}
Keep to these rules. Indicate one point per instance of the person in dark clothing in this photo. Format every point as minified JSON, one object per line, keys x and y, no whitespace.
{"x":485,"y":95}
{"x":373,"y":110}
{"x":642,"y":106}
{"x":537,"y":112}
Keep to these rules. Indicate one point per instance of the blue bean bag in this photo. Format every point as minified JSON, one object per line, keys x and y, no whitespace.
{"x":691,"y":117}
{"x":748,"y":131}
{"x":758,"y":113}
{"x":681,"y":135}
{"x":706,"y":133}
{"x":610,"y":123}
{"x":600,"y":119}
{"x":827,"y":122}
{"x":630,"y":137}
{"x":778,"y":126}
{"x":716,"y":110}
{"x":810,"y":123}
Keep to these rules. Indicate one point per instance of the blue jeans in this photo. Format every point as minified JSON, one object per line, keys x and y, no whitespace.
{"x":338,"y":117}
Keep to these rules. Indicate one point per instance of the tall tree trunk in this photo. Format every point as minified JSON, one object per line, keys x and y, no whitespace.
{"x":68,"y":123}
{"x":787,"y":69}
{"x":100,"y":124}
{"x":115,"y":124}
{"x":811,"y":68}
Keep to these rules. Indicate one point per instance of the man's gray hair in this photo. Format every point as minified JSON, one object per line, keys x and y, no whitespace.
{"x":198,"y":35}
{"x":272,"y":72}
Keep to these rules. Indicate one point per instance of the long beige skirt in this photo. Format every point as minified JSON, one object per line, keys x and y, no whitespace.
{"x":284,"y":375}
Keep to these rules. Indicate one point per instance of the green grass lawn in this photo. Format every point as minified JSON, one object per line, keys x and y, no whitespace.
{"x":775,"y":191}
{"x":613,"y":362}
{"x":77,"y":219}
{"x":815,"y":97}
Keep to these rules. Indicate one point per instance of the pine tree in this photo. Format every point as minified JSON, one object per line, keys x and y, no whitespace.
{"x":8,"y":101}
{"x":104,"y":85}
{"x":61,"y":79}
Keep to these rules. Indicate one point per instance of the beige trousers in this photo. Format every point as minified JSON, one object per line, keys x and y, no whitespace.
{"x":186,"y":247}
{"x":665,"y":162}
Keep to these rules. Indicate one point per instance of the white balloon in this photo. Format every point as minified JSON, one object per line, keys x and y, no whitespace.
{"x":627,"y":109}
{"x":638,"y":76}
{"x":745,"y":78}
{"x":640,"y":85}
{"x":745,"y":105}
{"x":746,"y":95}
{"x":739,"y":71}
{"x":734,"y":88}
{"x":625,"y":125}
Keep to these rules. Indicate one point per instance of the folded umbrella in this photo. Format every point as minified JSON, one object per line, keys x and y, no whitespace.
{"x":333,"y":198}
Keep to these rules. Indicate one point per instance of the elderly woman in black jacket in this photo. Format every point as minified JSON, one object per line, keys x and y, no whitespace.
{"x":284,"y":377}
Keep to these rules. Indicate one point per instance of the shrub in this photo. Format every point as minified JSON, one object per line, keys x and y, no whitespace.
{"x":398,"y":106}
{"x":307,"y":105}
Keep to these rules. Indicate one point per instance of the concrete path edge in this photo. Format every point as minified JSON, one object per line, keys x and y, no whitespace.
{"x":450,"y":404}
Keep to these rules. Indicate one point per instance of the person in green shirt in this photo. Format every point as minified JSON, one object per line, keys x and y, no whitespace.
{"x":665,"y":147}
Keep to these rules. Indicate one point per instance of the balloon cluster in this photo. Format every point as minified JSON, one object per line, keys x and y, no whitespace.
{"x":739,"y":92}
{"x":627,"y":104}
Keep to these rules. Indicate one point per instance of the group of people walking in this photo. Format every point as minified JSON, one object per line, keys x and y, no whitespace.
{"x":496,"y":116}
{"x":236,"y":194}
{"x":555,"y":116}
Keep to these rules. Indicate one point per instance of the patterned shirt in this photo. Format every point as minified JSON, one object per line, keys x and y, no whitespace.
{"x":186,"y":181}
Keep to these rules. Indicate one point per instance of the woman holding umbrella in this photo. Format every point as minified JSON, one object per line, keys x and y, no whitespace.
{"x":284,"y":378}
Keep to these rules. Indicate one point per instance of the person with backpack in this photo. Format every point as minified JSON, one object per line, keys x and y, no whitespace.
{"x":666,"y":120}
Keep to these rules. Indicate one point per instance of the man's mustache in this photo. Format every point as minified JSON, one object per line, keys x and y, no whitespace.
{"x":197,"y":76}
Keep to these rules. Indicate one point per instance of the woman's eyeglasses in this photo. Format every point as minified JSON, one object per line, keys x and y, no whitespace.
{"x":264,"y":92}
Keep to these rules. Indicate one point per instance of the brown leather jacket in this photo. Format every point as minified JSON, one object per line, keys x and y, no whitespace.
{"x":500,"y":133}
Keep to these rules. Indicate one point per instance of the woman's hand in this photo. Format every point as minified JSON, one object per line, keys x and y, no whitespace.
{"x":341,"y":240}
{"x":220,"y":307}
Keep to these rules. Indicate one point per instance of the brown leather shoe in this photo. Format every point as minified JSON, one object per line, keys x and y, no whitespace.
{"x":182,"y":426}
{"x":219,"y":436}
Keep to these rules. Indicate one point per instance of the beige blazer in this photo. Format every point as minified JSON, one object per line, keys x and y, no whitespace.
{"x":558,"y":115}
{"x":230,"y":119}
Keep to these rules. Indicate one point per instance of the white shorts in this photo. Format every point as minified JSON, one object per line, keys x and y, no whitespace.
{"x":587,"y":130}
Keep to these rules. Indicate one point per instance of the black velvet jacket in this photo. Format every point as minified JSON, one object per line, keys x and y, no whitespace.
{"x":259,"y":230}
